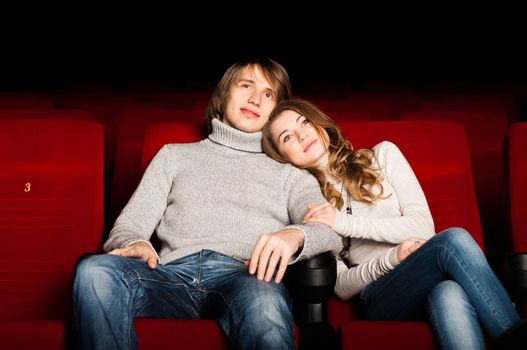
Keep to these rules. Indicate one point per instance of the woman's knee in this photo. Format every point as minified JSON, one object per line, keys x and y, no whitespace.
{"x":446,"y":293}
{"x":458,"y":239}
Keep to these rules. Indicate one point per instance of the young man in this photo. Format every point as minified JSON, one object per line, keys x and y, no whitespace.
{"x":229,"y":219}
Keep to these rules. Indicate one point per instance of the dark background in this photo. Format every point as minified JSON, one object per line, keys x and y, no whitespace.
{"x":344,"y":43}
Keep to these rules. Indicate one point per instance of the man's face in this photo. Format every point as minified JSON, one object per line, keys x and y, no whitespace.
{"x":251,"y":100}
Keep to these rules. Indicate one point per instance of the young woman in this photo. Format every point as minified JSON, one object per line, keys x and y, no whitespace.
{"x":401,"y":268}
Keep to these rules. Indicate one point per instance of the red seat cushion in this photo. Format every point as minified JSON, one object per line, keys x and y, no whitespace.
{"x":160,"y":334}
{"x":386,"y":335}
{"x":29,"y":335}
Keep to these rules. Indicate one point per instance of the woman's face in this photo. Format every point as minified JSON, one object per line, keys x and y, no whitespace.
{"x":297,"y":140}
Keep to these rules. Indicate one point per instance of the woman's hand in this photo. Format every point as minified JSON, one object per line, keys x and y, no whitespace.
{"x":323,"y":213}
{"x":408,"y":247}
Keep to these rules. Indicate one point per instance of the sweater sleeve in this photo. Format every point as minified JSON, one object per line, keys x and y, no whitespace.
{"x":415,"y":218}
{"x":352,"y":281}
{"x":144,"y":210}
{"x":302,"y":189}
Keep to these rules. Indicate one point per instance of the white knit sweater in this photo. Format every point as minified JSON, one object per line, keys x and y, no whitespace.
{"x":376,"y":230}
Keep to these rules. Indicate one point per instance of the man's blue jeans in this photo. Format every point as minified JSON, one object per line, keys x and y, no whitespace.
{"x":110,"y":291}
{"x":449,"y":280}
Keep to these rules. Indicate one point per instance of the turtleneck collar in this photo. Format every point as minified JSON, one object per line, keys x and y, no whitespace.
{"x":235,"y":139}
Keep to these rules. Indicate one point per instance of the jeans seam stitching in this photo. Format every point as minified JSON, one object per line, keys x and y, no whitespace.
{"x":474,"y":281}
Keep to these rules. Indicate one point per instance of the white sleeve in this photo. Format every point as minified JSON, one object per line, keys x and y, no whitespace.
{"x":415,"y":218}
{"x":352,"y":281}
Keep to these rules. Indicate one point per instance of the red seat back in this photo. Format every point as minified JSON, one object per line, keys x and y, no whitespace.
{"x":486,"y":133}
{"x":41,"y":113}
{"x":51,"y":200}
{"x":159,"y":134}
{"x":438,"y":154}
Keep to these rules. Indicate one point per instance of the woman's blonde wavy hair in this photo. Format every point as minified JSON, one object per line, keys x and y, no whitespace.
{"x":355,"y":168}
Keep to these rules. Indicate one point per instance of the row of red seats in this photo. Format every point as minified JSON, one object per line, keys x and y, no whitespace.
{"x":51,"y":190}
{"x":124,"y":136}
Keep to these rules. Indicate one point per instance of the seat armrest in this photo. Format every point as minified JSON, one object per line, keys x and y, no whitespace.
{"x":312,"y":280}
{"x":518,"y":272}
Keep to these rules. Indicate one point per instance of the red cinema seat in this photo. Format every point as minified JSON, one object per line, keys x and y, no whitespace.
{"x":502,"y":104}
{"x":129,"y":148}
{"x":401,"y":101}
{"x":51,"y":200}
{"x":153,"y":333}
{"x":444,"y":172}
{"x":185,"y":100}
{"x":35,"y":334}
{"x":486,"y":132}
{"x":374,"y":109}
{"x":159,"y":134}
{"x":346,"y":116}
{"x":518,"y":208}
{"x":39,"y":113}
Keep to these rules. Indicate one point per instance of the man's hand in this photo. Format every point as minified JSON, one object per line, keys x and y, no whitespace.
{"x":272,"y":250}
{"x":138,"y":250}
{"x":323,"y":213}
{"x":408,"y":247}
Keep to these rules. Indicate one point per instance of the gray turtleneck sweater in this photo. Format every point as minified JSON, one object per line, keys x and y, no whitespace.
{"x":220,"y":194}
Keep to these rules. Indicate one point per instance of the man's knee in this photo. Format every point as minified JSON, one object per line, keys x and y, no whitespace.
{"x":96,"y":274}
{"x":269,"y":319}
{"x":266,"y":295}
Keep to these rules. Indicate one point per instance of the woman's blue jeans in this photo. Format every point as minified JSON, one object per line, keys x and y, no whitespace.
{"x":110,"y":291}
{"x":448,"y":281}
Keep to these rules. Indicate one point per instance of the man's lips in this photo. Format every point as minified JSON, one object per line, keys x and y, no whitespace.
{"x":309,"y":145}
{"x":249,"y":113}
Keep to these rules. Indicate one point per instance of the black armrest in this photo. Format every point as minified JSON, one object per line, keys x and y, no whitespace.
{"x":313,"y":280}
{"x":311,"y":284}
{"x":518,"y":271}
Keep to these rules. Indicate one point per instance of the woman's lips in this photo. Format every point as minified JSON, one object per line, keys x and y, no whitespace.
{"x":309,"y":145}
